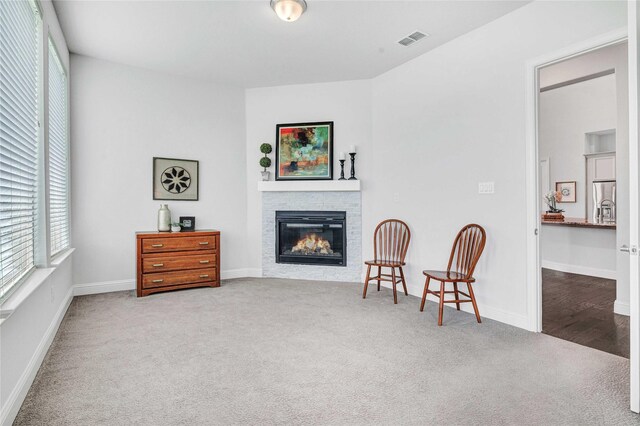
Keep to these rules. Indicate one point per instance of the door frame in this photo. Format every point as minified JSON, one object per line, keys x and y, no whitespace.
{"x":533,"y":220}
{"x":633,"y":25}
{"x":534,"y":276}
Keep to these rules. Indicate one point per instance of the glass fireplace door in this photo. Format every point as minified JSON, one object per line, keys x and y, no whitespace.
{"x":311,"y":238}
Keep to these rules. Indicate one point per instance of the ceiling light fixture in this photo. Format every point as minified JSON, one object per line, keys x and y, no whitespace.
{"x":289,"y":10}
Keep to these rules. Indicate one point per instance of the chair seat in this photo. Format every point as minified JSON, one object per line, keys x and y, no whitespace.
{"x":388,"y":263}
{"x":448,"y":276}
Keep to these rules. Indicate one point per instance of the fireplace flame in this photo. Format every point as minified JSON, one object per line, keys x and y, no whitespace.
{"x":312,"y":244}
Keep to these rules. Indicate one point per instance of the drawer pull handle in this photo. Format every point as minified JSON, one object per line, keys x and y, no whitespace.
{"x":157,"y":245}
{"x":204,"y":243}
{"x":204,"y":276}
{"x":157,"y":281}
{"x":204,"y":261}
{"x":158,"y":265}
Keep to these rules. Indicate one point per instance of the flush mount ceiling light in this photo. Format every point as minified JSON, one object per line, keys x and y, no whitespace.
{"x":289,"y":10}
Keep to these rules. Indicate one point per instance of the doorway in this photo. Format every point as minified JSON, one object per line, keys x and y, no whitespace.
{"x":533,"y":219}
{"x":583,"y":172}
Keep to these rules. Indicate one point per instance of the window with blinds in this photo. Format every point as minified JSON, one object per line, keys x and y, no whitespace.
{"x":58,"y":155}
{"x":18,"y":140}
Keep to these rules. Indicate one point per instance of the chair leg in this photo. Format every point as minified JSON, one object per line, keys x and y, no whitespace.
{"x":424,"y":293}
{"x":473,"y":302}
{"x":366,"y":282}
{"x":441,"y":308}
{"x":379,"y":272}
{"x":404,"y":283}
{"x":455,"y":292}
{"x":393,"y":282}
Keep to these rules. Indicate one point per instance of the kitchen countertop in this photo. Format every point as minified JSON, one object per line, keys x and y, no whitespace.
{"x":579,"y":223}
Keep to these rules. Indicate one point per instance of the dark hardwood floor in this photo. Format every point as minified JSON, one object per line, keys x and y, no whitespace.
{"x":579,"y":308}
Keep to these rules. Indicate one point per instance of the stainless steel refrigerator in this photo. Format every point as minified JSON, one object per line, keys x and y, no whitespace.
{"x":604,"y":201}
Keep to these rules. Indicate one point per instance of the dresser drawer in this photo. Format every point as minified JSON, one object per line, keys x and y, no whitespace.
{"x":159,"y":245}
{"x":179,"y":277}
{"x":176,"y":263}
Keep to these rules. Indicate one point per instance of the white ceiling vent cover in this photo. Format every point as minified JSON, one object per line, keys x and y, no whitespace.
{"x":406,"y":41}
{"x":412,"y":38}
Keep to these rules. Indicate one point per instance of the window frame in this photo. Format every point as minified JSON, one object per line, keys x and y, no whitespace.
{"x":44,"y":261}
{"x":51,"y":44}
{"x":37,"y":253}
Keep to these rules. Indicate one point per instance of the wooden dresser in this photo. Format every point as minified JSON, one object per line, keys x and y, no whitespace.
{"x":175,"y":260}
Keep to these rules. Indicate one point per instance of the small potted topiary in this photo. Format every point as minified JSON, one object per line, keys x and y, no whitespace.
{"x":265,"y":161}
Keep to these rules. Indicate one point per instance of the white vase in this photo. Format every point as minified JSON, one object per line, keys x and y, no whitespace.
{"x":175,"y":228}
{"x":164,"y":218}
{"x":265,"y":175}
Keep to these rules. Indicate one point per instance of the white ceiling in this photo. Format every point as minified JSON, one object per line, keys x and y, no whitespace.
{"x":245,"y":44}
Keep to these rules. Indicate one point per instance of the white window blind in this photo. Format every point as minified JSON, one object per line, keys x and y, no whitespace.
{"x":58,"y":155}
{"x":18,"y":139}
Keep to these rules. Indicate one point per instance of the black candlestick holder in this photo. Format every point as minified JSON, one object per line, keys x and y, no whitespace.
{"x":341,"y":170}
{"x":353,"y":166}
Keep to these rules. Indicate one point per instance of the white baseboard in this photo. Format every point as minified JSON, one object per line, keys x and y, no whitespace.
{"x":254,"y":272}
{"x":240,"y":273}
{"x":19,"y":393}
{"x":582,"y":270}
{"x":104,"y":287}
{"x":621,"y":308}
{"x":496,"y":314}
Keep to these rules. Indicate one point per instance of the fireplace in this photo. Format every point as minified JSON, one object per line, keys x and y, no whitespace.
{"x":311,"y":237}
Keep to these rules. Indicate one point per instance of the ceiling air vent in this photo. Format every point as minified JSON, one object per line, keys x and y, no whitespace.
{"x":406,"y":41}
{"x":417,"y":35}
{"x":412,"y":38}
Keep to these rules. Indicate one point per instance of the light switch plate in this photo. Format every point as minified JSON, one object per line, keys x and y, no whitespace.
{"x":485,"y":188}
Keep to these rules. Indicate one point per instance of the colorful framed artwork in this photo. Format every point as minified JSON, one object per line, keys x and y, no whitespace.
{"x":175,"y":179}
{"x":567,"y":190}
{"x":304,"y":151}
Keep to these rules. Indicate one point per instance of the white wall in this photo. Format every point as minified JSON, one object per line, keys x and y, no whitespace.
{"x":566,"y":114}
{"x":26,"y":336}
{"x":347,"y":104}
{"x":455,"y":117}
{"x":122,"y":117}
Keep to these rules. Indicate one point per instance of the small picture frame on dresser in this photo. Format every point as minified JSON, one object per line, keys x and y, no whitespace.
{"x":188,"y":223}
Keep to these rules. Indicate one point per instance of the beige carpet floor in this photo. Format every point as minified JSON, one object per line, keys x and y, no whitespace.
{"x":273,"y":351}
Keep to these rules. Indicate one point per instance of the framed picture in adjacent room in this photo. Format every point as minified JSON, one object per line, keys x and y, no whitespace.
{"x":175,"y":179}
{"x":567,"y":190}
{"x":304,"y":151}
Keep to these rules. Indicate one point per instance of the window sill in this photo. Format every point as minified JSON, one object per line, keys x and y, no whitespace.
{"x":31,"y":284}
{"x":61,"y":257}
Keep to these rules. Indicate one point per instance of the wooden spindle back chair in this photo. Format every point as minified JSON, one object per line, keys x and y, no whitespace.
{"x":467,"y":249}
{"x":465,"y":253}
{"x":391,"y":241}
{"x":390,"y":244}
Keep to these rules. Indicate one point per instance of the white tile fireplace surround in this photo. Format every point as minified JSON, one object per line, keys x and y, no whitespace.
{"x":344,"y":198}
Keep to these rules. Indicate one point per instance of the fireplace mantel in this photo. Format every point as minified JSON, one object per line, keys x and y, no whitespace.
{"x":309,"y":186}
